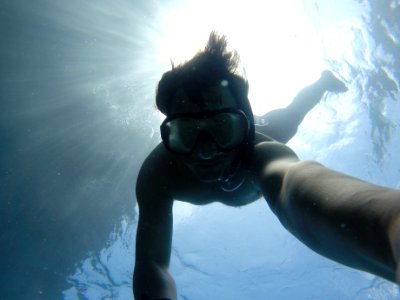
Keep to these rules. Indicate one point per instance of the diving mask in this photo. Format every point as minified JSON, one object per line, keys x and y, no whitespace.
{"x":227,"y":127}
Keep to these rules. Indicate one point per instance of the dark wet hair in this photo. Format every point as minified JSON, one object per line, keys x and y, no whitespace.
{"x":209,"y":67}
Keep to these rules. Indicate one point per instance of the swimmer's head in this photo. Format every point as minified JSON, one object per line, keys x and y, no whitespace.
{"x":208,"y":84}
{"x":211,"y":67}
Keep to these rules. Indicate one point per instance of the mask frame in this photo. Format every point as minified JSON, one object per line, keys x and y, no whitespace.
{"x":203,"y":128}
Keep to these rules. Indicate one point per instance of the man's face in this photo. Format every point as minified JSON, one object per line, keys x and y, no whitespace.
{"x":206,"y":160}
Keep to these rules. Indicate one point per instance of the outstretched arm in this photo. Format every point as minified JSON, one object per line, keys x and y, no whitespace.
{"x":343,"y":218}
{"x":151,"y":279}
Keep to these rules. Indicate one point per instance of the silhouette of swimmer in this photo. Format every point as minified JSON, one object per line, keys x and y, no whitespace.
{"x":212,"y":152}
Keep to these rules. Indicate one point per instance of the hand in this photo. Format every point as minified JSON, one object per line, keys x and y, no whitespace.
{"x":332,"y":83}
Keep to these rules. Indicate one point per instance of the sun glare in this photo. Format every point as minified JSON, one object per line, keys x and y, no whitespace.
{"x":279,"y":50}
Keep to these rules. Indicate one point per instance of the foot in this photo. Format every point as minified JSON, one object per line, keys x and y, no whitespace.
{"x":332,"y":83}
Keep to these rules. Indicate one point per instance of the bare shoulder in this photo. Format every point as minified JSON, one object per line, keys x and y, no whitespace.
{"x":157,"y":161}
{"x":267,"y":151}
{"x":154,"y":179}
{"x":271,"y":162}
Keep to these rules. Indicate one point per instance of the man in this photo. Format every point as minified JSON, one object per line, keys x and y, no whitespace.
{"x":211,"y":152}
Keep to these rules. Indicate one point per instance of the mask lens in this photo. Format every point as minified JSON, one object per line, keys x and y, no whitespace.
{"x":180,"y":134}
{"x":229,"y":130}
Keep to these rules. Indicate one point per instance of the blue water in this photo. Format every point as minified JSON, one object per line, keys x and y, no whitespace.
{"x":77,"y":118}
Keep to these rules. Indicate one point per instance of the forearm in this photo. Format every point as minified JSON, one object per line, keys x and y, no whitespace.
{"x":152,"y":282}
{"x":341,"y":217}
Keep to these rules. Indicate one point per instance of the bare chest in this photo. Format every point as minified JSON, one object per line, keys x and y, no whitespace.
{"x":200,"y":193}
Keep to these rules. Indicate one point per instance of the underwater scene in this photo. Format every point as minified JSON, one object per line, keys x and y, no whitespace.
{"x":78,"y":118}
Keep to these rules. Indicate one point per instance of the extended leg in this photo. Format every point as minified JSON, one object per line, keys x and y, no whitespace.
{"x":281,"y":124}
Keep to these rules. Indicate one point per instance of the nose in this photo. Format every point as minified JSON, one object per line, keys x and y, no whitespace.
{"x":206,"y":148}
